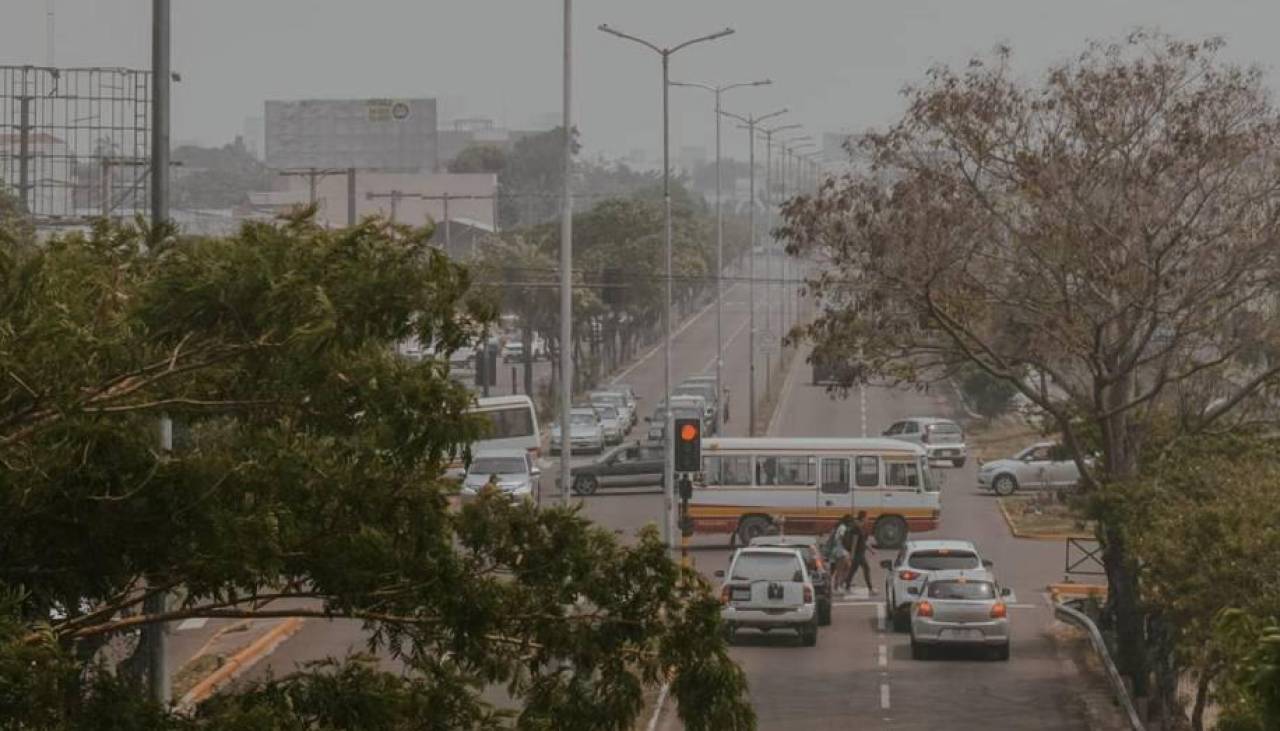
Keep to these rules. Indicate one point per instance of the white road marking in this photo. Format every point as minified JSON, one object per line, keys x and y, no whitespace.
{"x":192,"y":623}
{"x":712,"y":363}
{"x":880,"y":616}
{"x":884,"y":656}
{"x":884,"y":696}
{"x":653,"y":351}
{"x":787,"y":388}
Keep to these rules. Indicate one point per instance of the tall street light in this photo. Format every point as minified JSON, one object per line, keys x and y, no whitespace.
{"x":789,"y":145}
{"x":668,"y":472}
{"x":718,"y":90}
{"x":769,"y":132}
{"x":750,"y":123}
{"x":566,"y":264}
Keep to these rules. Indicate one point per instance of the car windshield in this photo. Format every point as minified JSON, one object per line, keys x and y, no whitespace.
{"x":606,"y":411}
{"x":943,"y":559}
{"x":582,"y":419}
{"x":971,"y":590}
{"x":768,"y":566}
{"x":806,"y":551}
{"x":498,"y":466}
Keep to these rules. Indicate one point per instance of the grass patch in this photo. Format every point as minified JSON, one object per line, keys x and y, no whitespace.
{"x":1040,"y":514}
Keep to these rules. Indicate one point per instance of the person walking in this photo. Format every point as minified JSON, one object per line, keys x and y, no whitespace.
{"x":858,"y":547}
{"x":841,"y":556}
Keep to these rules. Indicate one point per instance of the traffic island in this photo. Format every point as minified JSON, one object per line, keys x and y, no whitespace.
{"x":1043,"y":518}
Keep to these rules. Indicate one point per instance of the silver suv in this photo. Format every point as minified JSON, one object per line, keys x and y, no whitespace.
{"x":768,"y":589}
{"x":943,"y":439}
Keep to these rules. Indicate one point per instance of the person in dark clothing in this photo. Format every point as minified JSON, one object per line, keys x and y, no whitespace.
{"x":856,"y":537}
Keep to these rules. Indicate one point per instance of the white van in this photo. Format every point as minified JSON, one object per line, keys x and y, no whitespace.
{"x":511,"y":423}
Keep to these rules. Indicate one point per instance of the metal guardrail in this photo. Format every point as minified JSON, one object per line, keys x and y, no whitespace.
{"x":1067,"y":614}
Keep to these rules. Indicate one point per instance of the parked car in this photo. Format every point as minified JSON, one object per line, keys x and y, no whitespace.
{"x":953,"y":608}
{"x":613,"y":423}
{"x":513,"y":471}
{"x":698,"y":403}
{"x":908,"y":572}
{"x":629,"y":465}
{"x":629,"y":395}
{"x":1044,"y":465}
{"x":618,"y":401}
{"x":769,"y":589}
{"x":807,"y":546}
{"x":943,"y":439}
{"x":586,"y":433}
{"x":462,"y":359}
{"x":513,"y":352}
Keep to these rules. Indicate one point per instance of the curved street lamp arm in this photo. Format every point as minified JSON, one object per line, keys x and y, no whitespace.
{"x":605,"y":28}
{"x":700,"y":39}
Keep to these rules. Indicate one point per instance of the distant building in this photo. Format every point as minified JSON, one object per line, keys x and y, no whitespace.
{"x":367,"y":134}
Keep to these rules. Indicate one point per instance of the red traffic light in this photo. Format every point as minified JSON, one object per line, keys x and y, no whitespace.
{"x":688,"y":433}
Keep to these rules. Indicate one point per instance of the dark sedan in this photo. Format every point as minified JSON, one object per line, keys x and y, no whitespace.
{"x":628,"y":465}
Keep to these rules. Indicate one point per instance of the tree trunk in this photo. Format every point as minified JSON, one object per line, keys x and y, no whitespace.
{"x":1202,"y":700}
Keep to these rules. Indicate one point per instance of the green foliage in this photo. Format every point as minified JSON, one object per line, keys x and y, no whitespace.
{"x":1249,"y":692}
{"x":219,"y":177}
{"x":532,"y":178}
{"x":307,"y":479}
{"x":479,"y":159}
{"x":989,"y":395}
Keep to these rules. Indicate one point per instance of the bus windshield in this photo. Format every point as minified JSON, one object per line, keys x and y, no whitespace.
{"x":507,"y":423}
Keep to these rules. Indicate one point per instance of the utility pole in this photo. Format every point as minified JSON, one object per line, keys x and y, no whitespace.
{"x":668,"y":492}
{"x":566,"y":264}
{"x":770,"y":289}
{"x":718,"y":90}
{"x":749,"y":123}
{"x":153,"y":635}
{"x":351,"y":197}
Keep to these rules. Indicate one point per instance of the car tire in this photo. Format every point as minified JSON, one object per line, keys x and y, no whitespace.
{"x":957,"y":462}
{"x":824,"y":613}
{"x":809,"y":634}
{"x":890,"y":532}
{"x":585,"y":485}
{"x":1004,"y":485}
{"x":901,"y":619}
{"x":919,"y":651}
{"x":1002,"y":652}
{"x":752,"y":526}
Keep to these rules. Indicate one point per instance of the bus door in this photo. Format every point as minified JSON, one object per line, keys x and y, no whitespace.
{"x":834,"y":494}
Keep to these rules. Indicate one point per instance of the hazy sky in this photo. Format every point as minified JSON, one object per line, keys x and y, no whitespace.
{"x":837,"y":64}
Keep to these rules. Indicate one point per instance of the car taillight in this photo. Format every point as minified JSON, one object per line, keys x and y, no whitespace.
{"x":724,"y":594}
{"x":908,"y":575}
{"x":924,"y":609}
{"x":999,"y":610}
{"x":808,"y":594}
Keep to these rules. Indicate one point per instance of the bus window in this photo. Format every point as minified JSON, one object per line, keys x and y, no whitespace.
{"x":868,"y":474}
{"x":835,"y":476}
{"x":902,"y":474}
{"x":735,"y":470}
{"x":766,"y":470}
{"x":711,"y":470}
{"x":796,"y":470}
{"x":508,"y":423}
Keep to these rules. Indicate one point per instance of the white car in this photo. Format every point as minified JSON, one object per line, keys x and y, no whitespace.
{"x":611,"y":421}
{"x":1041,"y":466}
{"x":769,"y":589}
{"x":906,"y":574}
{"x":943,"y":439}
{"x":960,"y":608}
{"x":586,"y":433}
{"x":512,"y":470}
{"x":618,"y":400}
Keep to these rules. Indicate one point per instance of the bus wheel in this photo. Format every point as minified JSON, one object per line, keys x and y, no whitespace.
{"x":890,"y":532}
{"x":752,"y":526}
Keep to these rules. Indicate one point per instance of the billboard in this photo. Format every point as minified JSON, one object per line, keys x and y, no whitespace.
{"x":368,"y":134}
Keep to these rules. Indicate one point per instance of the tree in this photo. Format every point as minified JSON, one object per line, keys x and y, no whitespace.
{"x":306,"y":483}
{"x":218,"y":177}
{"x":532,"y":178}
{"x":479,"y":159}
{"x":1109,"y":231}
{"x":989,"y":395}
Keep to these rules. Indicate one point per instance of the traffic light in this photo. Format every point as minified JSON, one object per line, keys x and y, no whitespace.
{"x":688,"y":445}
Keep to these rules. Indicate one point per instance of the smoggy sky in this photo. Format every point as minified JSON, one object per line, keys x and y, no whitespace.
{"x":836,"y":64}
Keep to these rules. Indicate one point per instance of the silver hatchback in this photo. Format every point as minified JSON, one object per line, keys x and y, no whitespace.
{"x":955,"y":609}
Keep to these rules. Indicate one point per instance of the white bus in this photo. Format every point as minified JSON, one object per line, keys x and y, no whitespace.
{"x":748,"y":484}
{"x":510,"y":423}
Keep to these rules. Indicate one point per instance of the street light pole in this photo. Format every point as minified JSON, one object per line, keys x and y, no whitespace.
{"x":566,"y":265}
{"x":770,"y":289}
{"x":749,"y":123}
{"x":717,"y":91}
{"x":788,"y":313}
{"x":668,"y":472}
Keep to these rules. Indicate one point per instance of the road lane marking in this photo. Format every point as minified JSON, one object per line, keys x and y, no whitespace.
{"x":787,"y":388}
{"x":192,"y":623}
{"x":712,"y":363}
{"x":656,"y":348}
{"x":884,"y":655}
{"x":884,"y":696}
{"x":880,"y":616}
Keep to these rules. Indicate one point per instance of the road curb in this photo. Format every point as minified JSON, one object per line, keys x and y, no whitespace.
{"x":1008,"y":520}
{"x":241,"y":661}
